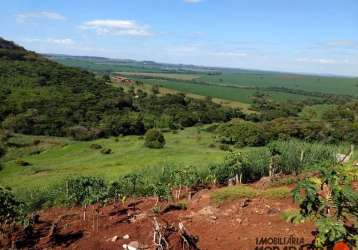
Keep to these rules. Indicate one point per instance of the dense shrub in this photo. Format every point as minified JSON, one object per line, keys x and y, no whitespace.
{"x":242,"y":133}
{"x":331,"y":203}
{"x":285,"y":128}
{"x":12,"y":210}
{"x":106,"y":151}
{"x":224,"y":147}
{"x":85,"y":190}
{"x":154,"y":139}
{"x":22,"y":163}
{"x":82,"y":133}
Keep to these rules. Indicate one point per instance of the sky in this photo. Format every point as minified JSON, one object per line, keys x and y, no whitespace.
{"x":303,"y":36}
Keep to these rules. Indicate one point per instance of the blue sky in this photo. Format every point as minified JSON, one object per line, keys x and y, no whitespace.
{"x":313,"y":36}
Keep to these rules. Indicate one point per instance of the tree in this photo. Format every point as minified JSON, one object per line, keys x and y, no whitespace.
{"x":242,"y":133}
{"x":154,"y":139}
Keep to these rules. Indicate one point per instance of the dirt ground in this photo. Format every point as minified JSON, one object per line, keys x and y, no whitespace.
{"x":233,"y":225}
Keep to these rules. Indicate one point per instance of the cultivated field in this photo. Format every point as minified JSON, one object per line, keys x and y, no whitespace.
{"x":230,"y":84}
{"x":170,"y":76}
{"x":238,"y":94}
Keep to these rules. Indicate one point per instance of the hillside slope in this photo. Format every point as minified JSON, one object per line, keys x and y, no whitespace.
{"x":42,"y":97}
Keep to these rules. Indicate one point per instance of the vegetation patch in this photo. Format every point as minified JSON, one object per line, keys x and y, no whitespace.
{"x":154,"y":139}
{"x":22,"y":163}
{"x":242,"y":191}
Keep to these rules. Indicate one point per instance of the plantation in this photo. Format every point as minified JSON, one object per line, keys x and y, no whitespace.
{"x":223,"y":92}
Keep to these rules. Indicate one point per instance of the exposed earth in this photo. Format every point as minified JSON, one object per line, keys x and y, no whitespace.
{"x":233,"y":225}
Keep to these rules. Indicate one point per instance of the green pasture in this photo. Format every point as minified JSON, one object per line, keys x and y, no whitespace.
{"x":67,"y":158}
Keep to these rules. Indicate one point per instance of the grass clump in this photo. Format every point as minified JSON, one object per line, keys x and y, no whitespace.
{"x":22,"y":163}
{"x":275,"y":193}
{"x":292,"y":216}
{"x":242,"y":191}
{"x":233,"y":193}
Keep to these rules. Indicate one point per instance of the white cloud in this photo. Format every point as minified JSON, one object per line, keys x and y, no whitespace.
{"x":322,"y":61}
{"x":229,"y":53}
{"x":193,"y":1}
{"x":343,"y":44}
{"x":117,"y":27}
{"x":61,"y":41}
{"x":24,"y":17}
{"x":197,"y":50}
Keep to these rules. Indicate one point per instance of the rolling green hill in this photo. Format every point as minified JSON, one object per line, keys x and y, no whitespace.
{"x":42,"y":97}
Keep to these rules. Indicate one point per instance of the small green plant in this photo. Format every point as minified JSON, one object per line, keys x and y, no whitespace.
{"x":292,"y":216}
{"x":156,"y":209}
{"x":154,"y":139}
{"x":333,"y":204}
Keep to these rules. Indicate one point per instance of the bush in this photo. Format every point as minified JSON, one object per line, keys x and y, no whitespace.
{"x":11,"y":209}
{"x":36,"y":142}
{"x":85,"y":190}
{"x":22,"y":163}
{"x":242,"y":133}
{"x":106,"y":151}
{"x":95,"y":146}
{"x":224,"y":147}
{"x":81,"y":133}
{"x":154,"y":139}
{"x":331,"y":203}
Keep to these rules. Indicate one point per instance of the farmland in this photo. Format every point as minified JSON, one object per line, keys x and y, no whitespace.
{"x":238,"y":94}
{"x":231,"y":84}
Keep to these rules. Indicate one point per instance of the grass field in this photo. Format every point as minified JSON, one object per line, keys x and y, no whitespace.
{"x":331,"y":85}
{"x":245,"y":107}
{"x":171,"y":76}
{"x":229,"y":84}
{"x":67,"y":158}
{"x":223,"y":92}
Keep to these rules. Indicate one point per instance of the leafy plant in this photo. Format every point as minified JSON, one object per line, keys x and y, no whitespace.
{"x":332,"y":203}
{"x":85,"y":190}
{"x":12,"y":212}
{"x":154,"y":139}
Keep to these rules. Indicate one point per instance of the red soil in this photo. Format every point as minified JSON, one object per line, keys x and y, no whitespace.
{"x":232,"y":225}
